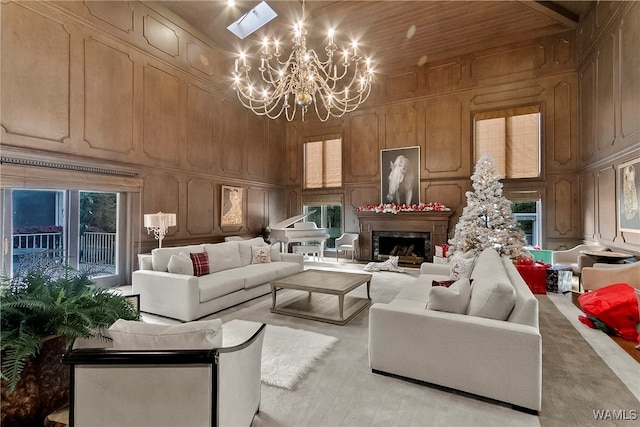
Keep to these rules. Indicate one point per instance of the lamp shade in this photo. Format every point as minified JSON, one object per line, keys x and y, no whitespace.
{"x":160,"y":220}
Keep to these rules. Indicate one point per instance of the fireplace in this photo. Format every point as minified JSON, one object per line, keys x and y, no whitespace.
{"x":409,"y":247}
{"x":423,"y":230}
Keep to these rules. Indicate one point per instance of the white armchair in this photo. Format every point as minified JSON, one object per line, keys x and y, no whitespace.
{"x":202,"y":387}
{"x":601,"y":275}
{"x":573,"y":258}
{"x":347,"y":242}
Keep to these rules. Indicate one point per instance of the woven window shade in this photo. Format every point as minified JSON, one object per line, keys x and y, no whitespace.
{"x":333,"y":163}
{"x":512,"y":139}
{"x":313,"y":164}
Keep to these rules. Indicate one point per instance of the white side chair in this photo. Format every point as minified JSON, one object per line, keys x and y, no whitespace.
{"x":347,"y":242}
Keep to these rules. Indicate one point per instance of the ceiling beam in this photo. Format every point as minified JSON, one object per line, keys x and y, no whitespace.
{"x":554,"y":11}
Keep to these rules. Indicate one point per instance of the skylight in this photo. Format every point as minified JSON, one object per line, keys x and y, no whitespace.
{"x":252,"y":20}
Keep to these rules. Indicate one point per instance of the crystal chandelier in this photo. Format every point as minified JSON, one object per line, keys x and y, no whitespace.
{"x":332,"y":87}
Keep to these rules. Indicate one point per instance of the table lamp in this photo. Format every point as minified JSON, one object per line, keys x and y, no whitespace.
{"x":159,"y":223}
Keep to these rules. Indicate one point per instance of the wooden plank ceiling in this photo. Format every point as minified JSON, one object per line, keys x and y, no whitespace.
{"x":395,"y":34}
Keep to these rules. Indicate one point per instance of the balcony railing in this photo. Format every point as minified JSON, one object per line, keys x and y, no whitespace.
{"x":95,"y":248}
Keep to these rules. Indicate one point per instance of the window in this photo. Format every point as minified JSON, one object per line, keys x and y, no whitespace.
{"x":526,"y":208}
{"x":512,"y":138}
{"x":328,"y":216}
{"x":78,"y":228}
{"x":323,"y":163}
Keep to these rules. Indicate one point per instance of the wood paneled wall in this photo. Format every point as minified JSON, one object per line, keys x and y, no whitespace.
{"x":432,"y":107}
{"x":129,"y":87}
{"x":609,"y":86}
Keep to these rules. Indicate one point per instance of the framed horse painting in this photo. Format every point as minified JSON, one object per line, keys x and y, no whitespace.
{"x":400,"y":176}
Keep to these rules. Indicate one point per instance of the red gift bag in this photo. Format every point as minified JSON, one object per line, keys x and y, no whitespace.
{"x":616,"y":306}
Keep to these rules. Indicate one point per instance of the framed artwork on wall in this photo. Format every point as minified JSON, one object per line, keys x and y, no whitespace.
{"x":629,"y":196}
{"x":232,"y":206}
{"x":400,"y":176}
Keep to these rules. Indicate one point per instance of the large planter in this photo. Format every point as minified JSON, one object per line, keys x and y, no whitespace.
{"x":42,"y":389}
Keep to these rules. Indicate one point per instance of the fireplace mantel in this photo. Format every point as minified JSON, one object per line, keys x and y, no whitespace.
{"x":434,"y":222}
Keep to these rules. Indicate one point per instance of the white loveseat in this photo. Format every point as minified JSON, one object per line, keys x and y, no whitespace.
{"x":166,"y":290}
{"x":499,"y":359}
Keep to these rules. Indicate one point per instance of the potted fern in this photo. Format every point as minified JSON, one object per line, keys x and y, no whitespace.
{"x":43,"y":311}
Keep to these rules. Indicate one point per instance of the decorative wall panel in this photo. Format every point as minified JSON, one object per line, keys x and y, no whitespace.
{"x":230,"y":136}
{"x":201,"y":58}
{"x":257,"y":147}
{"x":629,"y":64}
{"x":589,"y":206}
{"x":35,"y":74}
{"x":607,"y":224}
{"x":562,"y":142}
{"x":161,"y":36}
{"x":606,"y":124}
{"x":400,"y":127}
{"x":200,"y":113}
{"x":403,"y":83}
{"x":162,"y":194}
{"x":257,"y":205}
{"x":515,"y":94}
{"x":361,"y":148}
{"x":161,"y":118}
{"x":201,"y":206}
{"x":108,"y":91}
{"x":564,"y":206}
{"x":587,"y":112}
{"x":562,"y":52}
{"x":524,"y":59}
{"x":442,"y":78}
{"x":116,"y":13}
{"x":443,"y":137}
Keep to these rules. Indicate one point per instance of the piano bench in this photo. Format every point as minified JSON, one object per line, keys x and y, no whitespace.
{"x":308,"y":250}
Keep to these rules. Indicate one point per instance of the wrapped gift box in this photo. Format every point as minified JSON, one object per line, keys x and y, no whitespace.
{"x":442,"y":250}
{"x":541,"y":255}
{"x":440,"y":260}
{"x":559,"y":279}
{"x":535,"y":276}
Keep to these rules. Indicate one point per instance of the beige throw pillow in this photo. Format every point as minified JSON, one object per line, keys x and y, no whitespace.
{"x":492,"y":294}
{"x":461,"y":265}
{"x":260,"y":254}
{"x":452,"y":299}
{"x":180,"y":264}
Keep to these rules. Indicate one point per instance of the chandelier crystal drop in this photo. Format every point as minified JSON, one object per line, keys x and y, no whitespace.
{"x":331,"y":88}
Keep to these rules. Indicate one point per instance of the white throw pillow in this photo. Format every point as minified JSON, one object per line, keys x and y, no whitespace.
{"x":492,"y":294}
{"x":180,"y":264}
{"x":454,"y":299}
{"x":462,"y":265}
{"x":260,"y":254}
{"x":275,"y":252}
{"x":134,"y":335}
{"x":245,"y":249}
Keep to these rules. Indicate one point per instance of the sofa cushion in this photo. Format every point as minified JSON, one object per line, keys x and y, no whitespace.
{"x":160,"y":256}
{"x":492,"y":294}
{"x":134,"y":335}
{"x":275,"y":252}
{"x":260,"y":254}
{"x":462,"y":265}
{"x":245,"y":249}
{"x":200,"y":263}
{"x":223,"y":256}
{"x":216,"y":285}
{"x":452,"y":299}
{"x":180,"y":264}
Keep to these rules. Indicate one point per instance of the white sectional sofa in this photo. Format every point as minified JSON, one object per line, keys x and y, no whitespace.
{"x":168,"y":288}
{"x":464,"y":348}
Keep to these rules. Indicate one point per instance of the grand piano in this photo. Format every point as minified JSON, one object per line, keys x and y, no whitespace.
{"x":301,"y":232}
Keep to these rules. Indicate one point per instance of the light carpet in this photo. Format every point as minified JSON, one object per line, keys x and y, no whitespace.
{"x":288,"y":354}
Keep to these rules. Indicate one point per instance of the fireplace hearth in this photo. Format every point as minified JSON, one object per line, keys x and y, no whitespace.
{"x":409,"y":247}
{"x":407,"y":227}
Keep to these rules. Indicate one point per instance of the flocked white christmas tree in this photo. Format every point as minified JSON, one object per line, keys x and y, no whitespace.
{"x":487,"y":221}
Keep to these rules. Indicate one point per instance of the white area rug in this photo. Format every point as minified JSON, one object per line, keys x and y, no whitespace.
{"x":288,"y":354}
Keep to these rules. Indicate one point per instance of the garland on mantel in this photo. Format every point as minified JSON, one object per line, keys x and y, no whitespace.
{"x":395,"y":208}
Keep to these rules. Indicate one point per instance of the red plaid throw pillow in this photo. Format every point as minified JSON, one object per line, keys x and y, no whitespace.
{"x":445,"y":283}
{"x":200,"y":262}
